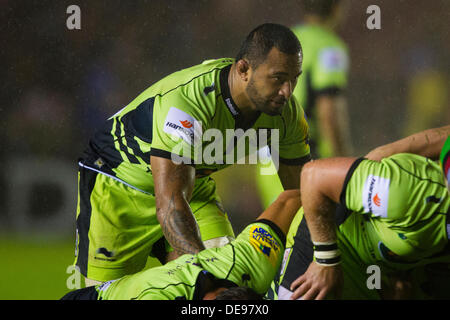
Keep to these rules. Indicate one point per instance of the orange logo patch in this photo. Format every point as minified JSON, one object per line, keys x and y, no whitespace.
{"x":186,"y":124}
{"x":377,"y":200}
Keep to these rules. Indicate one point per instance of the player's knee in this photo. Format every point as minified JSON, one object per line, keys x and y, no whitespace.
{"x":308,"y":173}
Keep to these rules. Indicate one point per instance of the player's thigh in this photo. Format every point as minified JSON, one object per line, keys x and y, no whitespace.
{"x":116,"y":227}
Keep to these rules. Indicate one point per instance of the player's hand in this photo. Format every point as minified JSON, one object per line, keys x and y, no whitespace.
{"x":317,"y":282}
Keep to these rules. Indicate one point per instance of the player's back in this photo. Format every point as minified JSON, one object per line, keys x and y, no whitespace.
{"x":401,"y":216}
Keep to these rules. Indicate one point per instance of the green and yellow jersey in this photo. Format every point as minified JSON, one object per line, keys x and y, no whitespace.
{"x":190,"y":116}
{"x":251,"y":260}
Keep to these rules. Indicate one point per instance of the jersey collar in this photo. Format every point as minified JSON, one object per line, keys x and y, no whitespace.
{"x":229,"y":102}
{"x":226,"y":93}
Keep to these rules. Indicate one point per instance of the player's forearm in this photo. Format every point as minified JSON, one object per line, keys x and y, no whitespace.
{"x":319,"y":215}
{"x":173,"y":189}
{"x":427,"y":143}
{"x":179,"y":225}
{"x":318,"y":208}
{"x":283,"y":209}
{"x":321,"y":187}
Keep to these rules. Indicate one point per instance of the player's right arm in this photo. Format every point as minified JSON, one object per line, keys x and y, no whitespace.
{"x":282,"y":211}
{"x":427,"y":143}
{"x":321,"y":184}
{"x":174,"y":184}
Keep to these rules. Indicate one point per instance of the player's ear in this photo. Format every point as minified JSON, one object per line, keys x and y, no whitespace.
{"x":242,"y":68}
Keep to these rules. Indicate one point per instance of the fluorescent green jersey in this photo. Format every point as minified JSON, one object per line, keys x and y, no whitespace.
{"x":191,"y":116}
{"x":400,"y":211}
{"x":251,"y":260}
{"x":325,"y":70}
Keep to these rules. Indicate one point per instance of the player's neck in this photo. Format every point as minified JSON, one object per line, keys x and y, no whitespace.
{"x":237,"y":90}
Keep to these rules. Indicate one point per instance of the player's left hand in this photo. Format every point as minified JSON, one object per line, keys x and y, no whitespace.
{"x":317,"y":282}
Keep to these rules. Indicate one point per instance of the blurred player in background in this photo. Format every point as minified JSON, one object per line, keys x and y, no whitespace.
{"x":320,"y":90}
{"x":396,"y":217}
{"x":142,"y":189}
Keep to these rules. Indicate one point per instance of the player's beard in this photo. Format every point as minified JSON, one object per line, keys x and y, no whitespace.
{"x":262,"y":104}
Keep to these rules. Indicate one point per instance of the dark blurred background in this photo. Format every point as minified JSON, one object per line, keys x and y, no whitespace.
{"x":58,"y":85}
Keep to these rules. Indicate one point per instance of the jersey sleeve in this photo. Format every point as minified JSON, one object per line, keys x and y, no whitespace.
{"x":294,"y":143}
{"x":329,"y":71}
{"x":405,"y":188}
{"x":367,"y":189}
{"x":178,"y":124}
{"x":259,"y":250}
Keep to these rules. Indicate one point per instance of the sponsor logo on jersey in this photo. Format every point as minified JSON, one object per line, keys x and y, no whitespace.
{"x":377,"y":200}
{"x":186,"y":124}
{"x":375,"y":195}
{"x":387,"y":254}
{"x":99,"y":163}
{"x":106,"y":255}
{"x":209,"y":89}
{"x":105,"y":252}
{"x":231,"y":107}
{"x":180,"y":124}
{"x":433,"y":199}
{"x":333,"y":59}
{"x":264,"y":242}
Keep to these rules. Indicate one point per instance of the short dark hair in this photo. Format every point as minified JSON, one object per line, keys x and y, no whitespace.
{"x":322,"y":8}
{"x":239,"y":293}
{"x":263,"y":38}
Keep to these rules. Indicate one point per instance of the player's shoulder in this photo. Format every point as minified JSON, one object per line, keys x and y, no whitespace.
{"x":194,"y":77}
{"x":193,"y":90}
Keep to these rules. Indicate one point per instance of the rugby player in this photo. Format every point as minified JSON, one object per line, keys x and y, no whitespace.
{"x":240,"y":270}
{"x":396,"y":217}
{"x":141,"y":189}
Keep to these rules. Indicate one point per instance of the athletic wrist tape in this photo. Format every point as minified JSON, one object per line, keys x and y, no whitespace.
{"x":327,"y":253}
